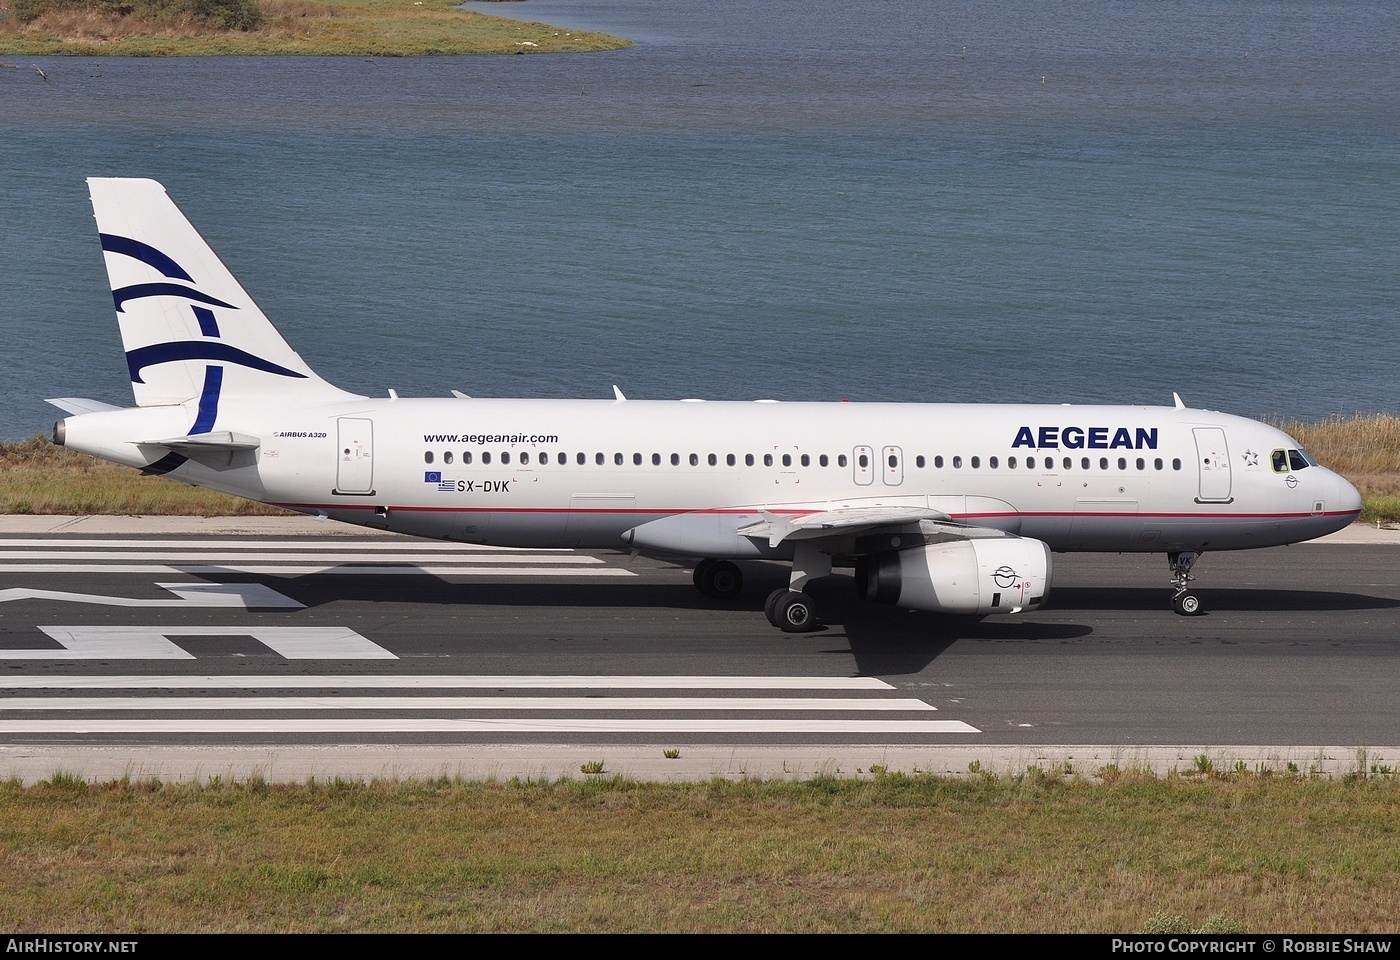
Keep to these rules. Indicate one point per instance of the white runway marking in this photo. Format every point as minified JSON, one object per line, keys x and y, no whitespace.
{"x":320,"y":546}
{"x":348,"y":556}
{"x":361,"y":712}
{"x":212,"y":556}
{"x":481,"y":725}
{"x":243,"y":596}
{"x":584,"y":704}
{"x":394,"y":682}
{"x":305,"y":569}
{"x":104,"y":642}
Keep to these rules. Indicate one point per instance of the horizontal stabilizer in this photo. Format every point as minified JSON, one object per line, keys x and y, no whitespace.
{"x":80,"y":405}
{"x":222,"y":440}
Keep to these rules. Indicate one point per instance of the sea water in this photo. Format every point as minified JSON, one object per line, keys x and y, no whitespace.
{"x":901,"y":200}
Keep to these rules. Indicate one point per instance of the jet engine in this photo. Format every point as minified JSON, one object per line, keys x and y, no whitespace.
{"x":980,"y":576}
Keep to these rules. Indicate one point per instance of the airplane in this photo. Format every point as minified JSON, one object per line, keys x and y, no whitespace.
{"x":952,"y":508}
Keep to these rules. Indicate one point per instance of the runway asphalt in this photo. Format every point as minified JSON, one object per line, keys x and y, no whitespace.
{"x":1294,"y":665}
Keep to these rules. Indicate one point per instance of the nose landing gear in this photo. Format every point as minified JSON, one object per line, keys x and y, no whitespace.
{"x":1185,"y":601}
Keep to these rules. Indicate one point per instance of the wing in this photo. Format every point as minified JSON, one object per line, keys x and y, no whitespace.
{"x":849,"y":522}
{"x":844,"y":528}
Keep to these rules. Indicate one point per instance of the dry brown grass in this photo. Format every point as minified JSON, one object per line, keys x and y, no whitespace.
{"x":38,"y":477}
{"x":329,"y":28}
{"x":41,"y":478}
{"x":894,"y":854}
{"x":1364,"y":449}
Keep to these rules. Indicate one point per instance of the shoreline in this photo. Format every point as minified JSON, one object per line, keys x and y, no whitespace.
{"x":340,"y":28}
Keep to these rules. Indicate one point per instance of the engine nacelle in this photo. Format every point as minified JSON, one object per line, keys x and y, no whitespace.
{"x":995,"y":575}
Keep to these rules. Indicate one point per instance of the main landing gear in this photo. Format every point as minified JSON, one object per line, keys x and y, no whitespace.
{"x":787,"y":608}
{"x":790,"y":610}
{"x":718,"y":579}
{"x":1184,"y":600}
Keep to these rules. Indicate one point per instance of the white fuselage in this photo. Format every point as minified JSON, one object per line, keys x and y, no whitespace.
{"x":581,"y":473}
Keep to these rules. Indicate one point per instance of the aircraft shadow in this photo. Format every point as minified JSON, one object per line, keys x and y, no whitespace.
{"x":1221,"y":600}
{"x":882,"y":640}
{"x":836,"y":598}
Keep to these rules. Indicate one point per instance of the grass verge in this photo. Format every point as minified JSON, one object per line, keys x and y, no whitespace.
{"x":38,"y":477}
{"x":41,"y":478}
{"x":897,"y":853}
{"x":307,"y":27}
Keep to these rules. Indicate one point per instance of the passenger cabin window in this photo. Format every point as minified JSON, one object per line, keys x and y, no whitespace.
{"x":748,"y":459}
{"x":675,"y":459}
{"x":712,"y":460}
{"x":976,"y":462}
{"x":767,"y":459}
{"x":544,"y":458}
{"x":729,"y":460}
{"x":957,"y":463}
{"x":840,"y":459}
{"x":485,"y":456}
{"x":918,"y":461}
{"x":598,"y":459}
{"x":864,"y":461}
{"x":427,"y":456}
{"x":822,"y":461}
{"x":524,"y":457}
{"x":617,"y":459}
{"x":656,"y":459}
{"x":787,"y":459}
{"x":695,"y":459}
{"x":505,"y":457}
{"x":466,"y":456}
{"x":636,"y":459}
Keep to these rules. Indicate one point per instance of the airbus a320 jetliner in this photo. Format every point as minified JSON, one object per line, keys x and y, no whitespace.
{"x":942,"y":507}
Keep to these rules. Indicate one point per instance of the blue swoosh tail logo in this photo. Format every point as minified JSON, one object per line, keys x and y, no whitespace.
{"x":146,"y":253}
{"x":142,"y":357}
{"x":138,"y":291}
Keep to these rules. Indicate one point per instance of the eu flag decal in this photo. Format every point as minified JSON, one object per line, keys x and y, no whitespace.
{"x":432,"y":476}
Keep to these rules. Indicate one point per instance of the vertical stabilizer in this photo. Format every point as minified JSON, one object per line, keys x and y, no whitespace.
{"x":189,"y":329}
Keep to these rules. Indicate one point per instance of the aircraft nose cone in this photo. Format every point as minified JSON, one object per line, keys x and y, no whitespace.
{"x":1348,"y":497}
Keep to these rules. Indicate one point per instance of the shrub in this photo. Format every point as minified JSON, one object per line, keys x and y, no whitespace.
{"x":218,"y":14}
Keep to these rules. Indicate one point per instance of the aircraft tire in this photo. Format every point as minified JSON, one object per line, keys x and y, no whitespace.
{"x":772,"y":602}
{"x":722,"y":580}
{"x":1187,"y":604}
{"x":794,"y":613}
{"x":702,"y":568}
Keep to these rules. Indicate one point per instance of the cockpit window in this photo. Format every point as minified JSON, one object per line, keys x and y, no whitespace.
{"x":1285,"y":461}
